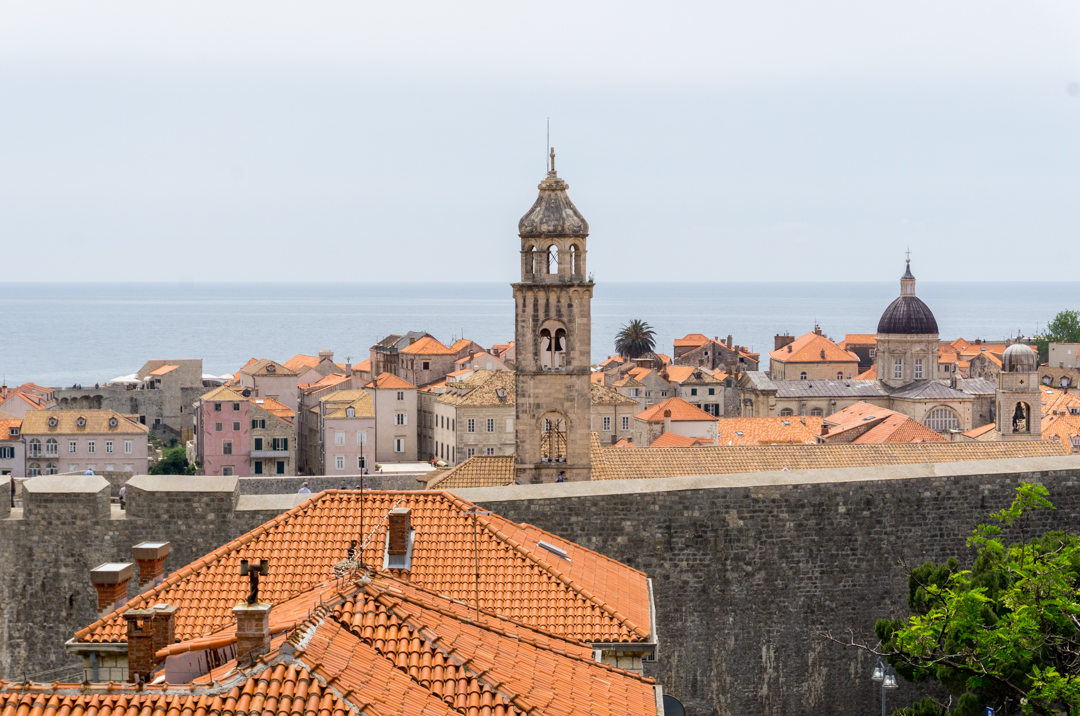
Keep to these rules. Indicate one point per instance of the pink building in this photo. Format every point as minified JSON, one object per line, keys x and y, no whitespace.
{"x":348,"y":433}
{"x":223,"y":433}
{"x":78,"y":440}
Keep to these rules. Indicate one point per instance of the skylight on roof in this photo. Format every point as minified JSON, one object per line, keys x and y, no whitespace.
{"x":555,"y":550}
{"x":786,"y":422}
{"x":739,"y":433}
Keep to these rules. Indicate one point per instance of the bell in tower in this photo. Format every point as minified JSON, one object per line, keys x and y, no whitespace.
{"x":552,"y":334}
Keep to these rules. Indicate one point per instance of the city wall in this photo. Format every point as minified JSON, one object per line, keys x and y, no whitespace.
{"x":746,"y":568}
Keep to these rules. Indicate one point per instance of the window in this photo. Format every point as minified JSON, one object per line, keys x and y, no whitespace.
{"x":108,"y":446}
{"x":786,"y":412}
{"x":942,"y":419}
{"x":73,"y":468}
{"x":663,"y":393}
{"x":218,"y":427}
{"x":712,"y":391}
{"x":236,"y":427}
{"x":90,"y":446}
{"x":898,"y":368}
{"x":13,"y":432}
{"x":350,"y":412}
{"x":51,"y":447}
{"x":802,"y":376}
{"x":110,"y":468}
{"x":401,"y":395}
{"x":50,"y":469}
{"x":217,"y":408}
{"x":839,"y":376}
{"x":236,"y":407}
{"x":626,"y":422}
{"x":279,"y":444}
{"x":361,"y":462}
{"x":258,"y":467}
{"x":258,"y":444}
{"x":399,"y":444}
{"x":491,"y":425}
{"x":129,"y":468}
{"x":816,"y":412}
{"x":73,"y":446}
{"x":127,"y":447}
{"x":227,"y":470}
{"x":424,"y":365}
{"x":361,"y":437}
{"x":693,"y":391}
{"x":918,"y":368}
{"x":400,"y":419}
{"x":491,"y":451}
{"x":648,"y":393}
{"x":339,"y":462}
{"x":35,"y":447}
{"x":258,"y":424}
{"x":607,"y":423}
{"x":226,"y":447}
{"x":339,"y":437}
{"x":509,"y":425}
{"x":634,"y":392}
{"x":469,"y":452}
{"x":34,"y":470}
{"x":7,"y":453}
{"x":470,"y":425}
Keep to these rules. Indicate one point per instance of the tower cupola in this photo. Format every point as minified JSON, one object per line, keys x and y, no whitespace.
{"x":553,"y":234}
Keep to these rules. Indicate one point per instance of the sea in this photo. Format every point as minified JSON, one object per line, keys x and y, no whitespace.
{"x":62,"y":334}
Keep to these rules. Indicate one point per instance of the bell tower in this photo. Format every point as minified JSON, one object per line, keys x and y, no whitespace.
{"x":552,"y":336}
{"x":1019,"y":412}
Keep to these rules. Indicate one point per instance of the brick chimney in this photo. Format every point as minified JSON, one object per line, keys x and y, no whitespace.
{"x":398,"y":529}
{"x":667,"y":421}
{"x":140,"y":641}
{"x":150,"y":556}
{"x":252,"y":631}
{"x":164,"y":626}
{"x":111,"y":582}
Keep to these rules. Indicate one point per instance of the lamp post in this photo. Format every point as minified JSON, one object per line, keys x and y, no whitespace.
{"x":887,"y":676}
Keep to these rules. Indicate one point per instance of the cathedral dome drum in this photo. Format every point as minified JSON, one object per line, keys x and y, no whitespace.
{"x":1019,"y":358}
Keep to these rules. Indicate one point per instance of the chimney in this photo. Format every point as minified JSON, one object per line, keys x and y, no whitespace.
{"x":326,"y":354}
{"x":824,"y":430}
{"x":164,"y":627}
{"x":111,"y":582}
{"x":398,"y":530}
{"x":817,"y":329}
{"x":779,"y":341}
{"x":252,"y":631}
{"x":348,"y":369}
{"x":140,"y":641}
{"x":667,"y":421}
{"x":728,"y":341}
{"x":150,"y":556}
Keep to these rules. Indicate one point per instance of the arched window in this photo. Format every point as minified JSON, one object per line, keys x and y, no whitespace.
{"x":942,"y":419}
{"x":839,"y":376}
{"x":50,"y":469}
{"x":575,"y":260}
{"x":553,"y":259}
{"x":1021,"y":419}
{"x":35,"y":448}
{"x":350,"y":412}
{"x":553,"y":439}
{"x":51,"y":448}
{"x":529,"y":260}
{"x":33,"y":470}
{"x":552,"y":349}
{"x":816,"y":412}
{"x":786,"y":412}
{"x":802,"y":376}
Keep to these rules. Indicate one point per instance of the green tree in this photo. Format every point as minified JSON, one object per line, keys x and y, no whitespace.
{"x":635,"y":339}
{"x":1002,"y":634}
{"x":1065,"y":328}
{"x":173,"y":462}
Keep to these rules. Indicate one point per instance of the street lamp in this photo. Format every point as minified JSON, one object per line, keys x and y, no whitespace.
{"x":887,"y":676}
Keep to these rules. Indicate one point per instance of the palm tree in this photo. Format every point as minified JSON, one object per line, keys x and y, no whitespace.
{"x":635,"y":339}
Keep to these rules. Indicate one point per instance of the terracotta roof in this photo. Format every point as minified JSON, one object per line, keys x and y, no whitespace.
{"x":687,"y":374}
{"x":769,"y":431}
{"x":628,"y":381}
{"x":483,"y":389}
{"x":274,"y":407}
{"x":363,"y":366}
{"x":589,"y":599}
{"x":97,"y":423}
{"x":389,"y":381}
{"x":888,"y":426}
{"x":809,"y":348}
{"x":644,"y":463}
{"x":427,"y":346}
{"x":675,"y":440}
{"x":326,"y":381}
{"x":34,"y":401}
{"x":359,"y":400}
{"x":608,"y":396}
{"x":680,"y":410}
{"x":981,"y":430}
{"x":869,"y":374}
{"x":7,"y":422}
{"x":222,"y":394}
{"x":597,"y":377}
{"x":664,"y":358}
{"x":691,"y":339}
{"x":301,"y":360}
{"x":612,"y":359}
{"x":267,"y":367}
{"x":460,"y":344}
{"x":860,"y":339}
{"x":1056,"y":400}
{"x":477,"y":471}
{"x":163,"y":370}
{"x":1065,"y":428}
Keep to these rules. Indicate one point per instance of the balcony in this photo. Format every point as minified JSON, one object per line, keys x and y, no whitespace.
{"x":268,"y":453}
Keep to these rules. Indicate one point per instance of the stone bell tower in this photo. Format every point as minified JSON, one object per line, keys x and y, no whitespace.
{"x":1019,"y":411}
{"x":552,"y":335}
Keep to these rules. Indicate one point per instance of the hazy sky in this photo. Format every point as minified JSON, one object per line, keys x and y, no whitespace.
{"x":349,"y":141}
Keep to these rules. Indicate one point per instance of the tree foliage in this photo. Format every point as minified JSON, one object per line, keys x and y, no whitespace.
{"x":1065,"y":328}
{"x":635,"y":339}
{"x":1002,"y":634}
{"x":173,"y":462}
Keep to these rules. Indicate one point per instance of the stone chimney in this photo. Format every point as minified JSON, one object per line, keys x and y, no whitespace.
{"x":252,"y":631}
{"x":728,"y":341}
{"x":398,"y":529}
{"x":667,"y":421}
{"x":111,"y":582}
{"x":150,"y":556}
{"x":779,"y":341}
{"x":326,"y":354}
{"x":348,"y":369}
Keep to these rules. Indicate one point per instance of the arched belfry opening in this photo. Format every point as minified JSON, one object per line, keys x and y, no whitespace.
{"x":1021,"y":418}
{"x":553,"y":313}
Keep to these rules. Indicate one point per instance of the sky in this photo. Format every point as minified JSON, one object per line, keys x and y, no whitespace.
{"x":716,"y":141}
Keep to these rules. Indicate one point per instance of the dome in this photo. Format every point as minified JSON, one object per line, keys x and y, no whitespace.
{"x":1019,"y":358}
{"x":553,"y":214}
{"x":908,"y":315}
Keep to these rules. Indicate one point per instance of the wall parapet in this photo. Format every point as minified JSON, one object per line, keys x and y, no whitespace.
{"x":66,"y":498}
{"x":167,"y":496}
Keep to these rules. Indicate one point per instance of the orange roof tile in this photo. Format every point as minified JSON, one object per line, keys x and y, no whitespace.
{"x":861,"y":339}
{"x":612,"y":359}
{"x":389,"y":381}
{"x":869,"y":374}
{"x":597,"y":377}
{"x":7,"y":422}
{"x":981,"y":430}
{"x":691,"y":340}
{"x":427,"y":346}
{"x":301,"y":361}
{"x":676,"y":440}
{"x":813,"y":348}
{"x":163,"y":370}
{"x":680,"y":410}
{"x":769,"y":431}
{"x":274,"y":407}
{"x":1065,"y":428}
{"x":688,"y":373}
{"x":589,"y":599}
{"x":460,"y":344}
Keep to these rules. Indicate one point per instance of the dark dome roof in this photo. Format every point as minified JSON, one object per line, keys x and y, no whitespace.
{"x":1019,"y":358}
{"x":907,"y":315}
{"x":553,"y":214}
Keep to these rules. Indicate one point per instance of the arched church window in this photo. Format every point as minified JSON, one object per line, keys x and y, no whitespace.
{"x":1021,"y":418}
{"x":942,"y":419}
{"x":552,"y":349}
{"x":786,"y":412}
{"x":553,"y":440}
{"x":553,"y":259}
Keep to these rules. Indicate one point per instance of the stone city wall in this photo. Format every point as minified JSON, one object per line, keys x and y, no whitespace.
{"x":746,"y":568}
{"x":289,"y":485}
